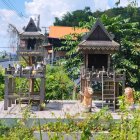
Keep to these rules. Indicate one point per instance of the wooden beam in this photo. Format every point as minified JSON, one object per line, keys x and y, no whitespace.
{"x":13,"y":89}
{"x":31,"y":85}
{"x":108,"y":62}
{"x":86,"y":60}
{"x":10,"y":89}
{"x":6,"y":94}
{"x":42,"y":90}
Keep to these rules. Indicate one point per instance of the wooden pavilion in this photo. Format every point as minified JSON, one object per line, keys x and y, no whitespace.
{"x":97,"y":71}
{"x":33,"y":73}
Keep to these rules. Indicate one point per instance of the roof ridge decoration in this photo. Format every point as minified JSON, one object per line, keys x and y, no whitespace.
{"x":98,"y":23}
{"x":31,"y":27}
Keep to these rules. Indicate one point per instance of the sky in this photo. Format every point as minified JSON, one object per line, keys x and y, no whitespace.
{"x":18,"y":13}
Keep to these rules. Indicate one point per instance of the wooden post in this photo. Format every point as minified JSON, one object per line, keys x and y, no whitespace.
{"x":117,"y":94}
{"x":31,"y":81}
{"x":6,"y":94}
{"x":10,"y":89}
{"x":86,"y":61}
{"x":123,"y":82}
{"x":74,"y":92}
{"x":31,"y":85}
{"x":42,"y":90}
{"x":52,"y":56}
{"x":13,"y":89}
{"x":30,"y":61}
{"x":114,"y":79}
{"x":108,"y":63}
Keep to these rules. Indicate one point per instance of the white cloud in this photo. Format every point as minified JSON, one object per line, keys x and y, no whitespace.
{"x":101,"y":4}
{"x":57,"y":8}
{"x":6,"y":17}
{"x":123,"y":3}
{"x":47,"y":9}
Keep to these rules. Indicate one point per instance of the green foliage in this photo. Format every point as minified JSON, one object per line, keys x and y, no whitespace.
{"x":22,"y":84}
{"x":18,"y":133}
{"x":126,"y":33}
{"x":58,"y":84}
{"x":127,"y":127}
{"x":91,"y":124}
{"x":1,"y":75}
{"x":1,"y":91}
{"x":122,"y":105}
{"x":73,"y":58}
{"x":101,"y":124}
{"x":1,"y":83}
{"x":137,"y":96}
{"x":3,"y":129}
{"x":124,"y":24}
{"x":72,"y":19}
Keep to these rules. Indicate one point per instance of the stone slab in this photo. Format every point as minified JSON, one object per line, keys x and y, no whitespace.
{"x":54,"y":109}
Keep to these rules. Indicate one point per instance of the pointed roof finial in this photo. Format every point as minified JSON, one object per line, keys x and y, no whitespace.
{"x":31,"y":27}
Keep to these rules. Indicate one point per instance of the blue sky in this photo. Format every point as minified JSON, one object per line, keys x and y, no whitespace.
{"x":48,"y":9}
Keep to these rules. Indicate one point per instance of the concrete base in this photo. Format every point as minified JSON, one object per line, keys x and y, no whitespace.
{"x":54,"y":109}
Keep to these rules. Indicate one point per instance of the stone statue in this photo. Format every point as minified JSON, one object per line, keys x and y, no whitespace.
{"x":87,"y":98}
{"x":129,"y":97}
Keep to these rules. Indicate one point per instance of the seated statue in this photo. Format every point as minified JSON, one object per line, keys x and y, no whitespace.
{"x":129,"y":97}
{"x":87,"y":98}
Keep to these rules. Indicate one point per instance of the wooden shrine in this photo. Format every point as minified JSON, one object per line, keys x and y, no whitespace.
{"x":33,"y":73}
{"x":97,"y":70}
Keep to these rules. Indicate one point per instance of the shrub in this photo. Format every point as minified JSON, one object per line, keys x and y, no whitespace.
{"x":58,"y":84}
{"x":18,"y":133}
{"x":1,"y":83}
{"x":137,"y":96}
{"x":3,"y":129}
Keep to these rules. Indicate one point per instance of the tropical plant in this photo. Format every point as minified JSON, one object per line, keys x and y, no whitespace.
{"x":72,"y":61}
{"x":58,"y":84}
{"x":73,"y":18}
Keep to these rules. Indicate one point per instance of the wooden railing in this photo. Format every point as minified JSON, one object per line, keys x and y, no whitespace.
{"x":35,"y":50}
{"x":27,"y":72}
{"x":96,"y":74}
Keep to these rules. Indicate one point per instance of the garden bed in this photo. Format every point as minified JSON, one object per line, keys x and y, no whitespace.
{"x":67,"y":136}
